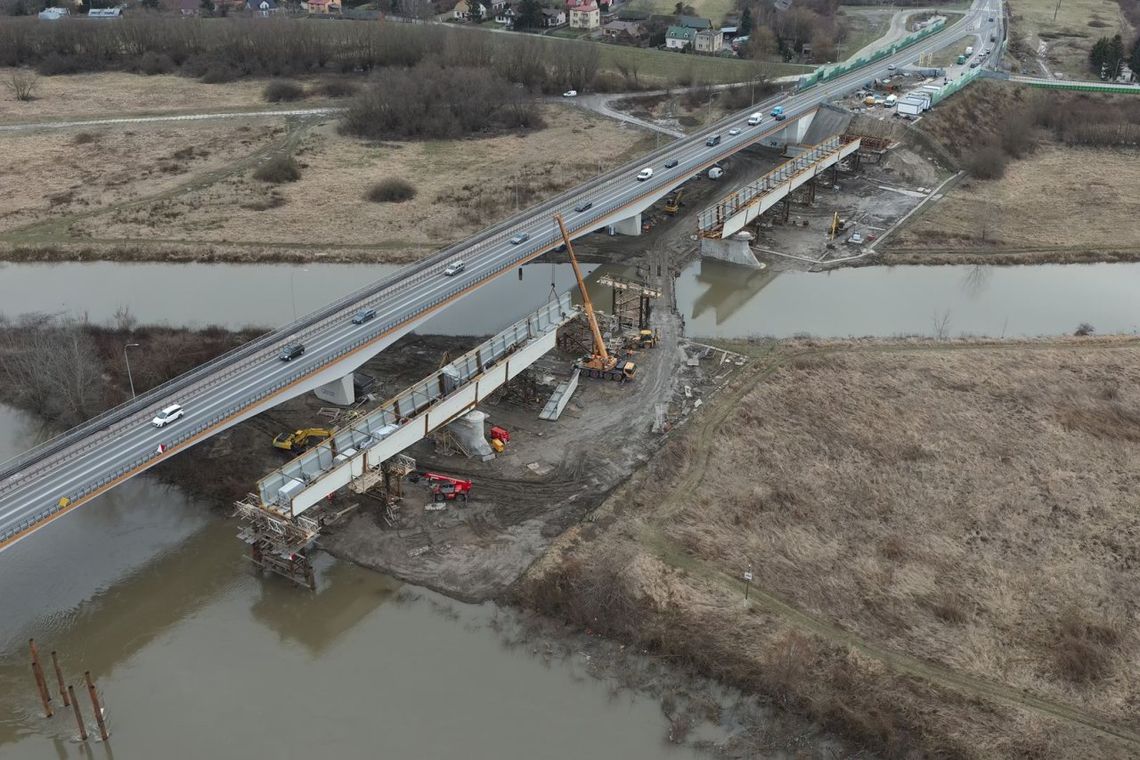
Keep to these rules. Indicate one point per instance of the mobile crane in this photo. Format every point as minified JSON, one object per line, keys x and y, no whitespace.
{"x":445,"y":487}
{"x":600,"y":363}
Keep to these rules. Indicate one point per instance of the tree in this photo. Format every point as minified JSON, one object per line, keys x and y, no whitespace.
{"x":207,"y":7}
{"x":529,"y":15}
{"x":151,"y":4}
{"x":475,"y":9}
{"x":1134,"y":61}
{"x":1107,"y":56}
{"x":745,"y":27}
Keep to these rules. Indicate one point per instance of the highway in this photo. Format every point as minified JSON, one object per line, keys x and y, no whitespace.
{"x":95,"y":456}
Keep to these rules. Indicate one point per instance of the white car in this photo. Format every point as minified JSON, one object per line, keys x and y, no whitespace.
{"x":890,"y":67}
{"x":733,"y":132}
{"x":570,"y":94}
{"x":645,"y":174}
{"x":167,"y":415}
{"x":454,"y":268}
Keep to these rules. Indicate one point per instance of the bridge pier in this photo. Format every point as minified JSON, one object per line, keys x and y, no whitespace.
{"x":629,"y":226}
{"x":734,"y":250}
{"x":340,"y":392}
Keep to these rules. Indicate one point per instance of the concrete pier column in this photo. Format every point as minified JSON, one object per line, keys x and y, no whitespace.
{"x":340,"y":392}
{"x":735,"y":250}
{"x":630,"y":226}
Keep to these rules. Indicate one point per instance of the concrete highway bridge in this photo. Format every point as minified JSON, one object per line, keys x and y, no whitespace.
{"x":60,"y":475}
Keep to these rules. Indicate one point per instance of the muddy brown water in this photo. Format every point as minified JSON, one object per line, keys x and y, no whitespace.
{"x":197,"y":657}
{"x":717,"y":300}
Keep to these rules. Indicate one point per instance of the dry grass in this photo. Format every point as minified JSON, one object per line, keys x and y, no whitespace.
{"x":970,"y":508}
{"x":1055,"y":197}
{"x":115,"y":95}
{"x":1079,"y":24}
{"x":461,"y":186}
{"x":48,"y":175}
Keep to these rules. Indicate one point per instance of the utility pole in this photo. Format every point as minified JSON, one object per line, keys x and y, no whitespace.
{"x":127,"y":358}
{"x":1056,"y":10}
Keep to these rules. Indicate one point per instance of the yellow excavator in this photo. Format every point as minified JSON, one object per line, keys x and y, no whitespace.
{"x":300,"y":440}
{"x":600,"y":363}
{"x":673,"y":202}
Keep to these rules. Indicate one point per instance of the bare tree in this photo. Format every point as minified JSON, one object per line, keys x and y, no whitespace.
{"x":22,"y":84}
{"x":53,"y":369}
{"x":941,"y":324}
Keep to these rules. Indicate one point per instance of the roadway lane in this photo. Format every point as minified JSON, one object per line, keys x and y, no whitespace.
{"x":123,"y":447}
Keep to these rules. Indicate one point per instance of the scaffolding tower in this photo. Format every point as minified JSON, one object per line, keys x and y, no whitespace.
{"x":631,"y":300}
{"x":279,"y":543}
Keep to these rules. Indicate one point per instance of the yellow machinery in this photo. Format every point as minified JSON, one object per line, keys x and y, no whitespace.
{"x":673,"y":202}
{"x":647,"y":339}
{"x":301,"y":439}
{"x":600,"y":363}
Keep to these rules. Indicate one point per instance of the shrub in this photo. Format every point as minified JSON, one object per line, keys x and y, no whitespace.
{"x":283,"y":90}
{"x":391,"y":190}
{"x":277,"y":170}
{"x":153,"y":63}
{"x":55,"y":65}
{"x":84,"y":138}
{"x":338,"y":88}
{"x":987,"y":162}
{"x":220,"y":73}
{"x":22,"y":84}
{"x":1083,"y":651}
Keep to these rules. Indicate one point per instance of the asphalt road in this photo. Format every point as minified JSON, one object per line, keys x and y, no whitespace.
{"x":94,"y":457}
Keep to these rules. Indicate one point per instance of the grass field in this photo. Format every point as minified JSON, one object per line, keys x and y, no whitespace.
{"x":1078,"y":25}
{"x":714,"y":10}
{"x":864,"y":26}
{"x":937,"y":535}
{"x":193,"y":185}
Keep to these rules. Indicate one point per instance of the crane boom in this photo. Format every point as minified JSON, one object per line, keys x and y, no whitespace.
{"x":599,"y":344}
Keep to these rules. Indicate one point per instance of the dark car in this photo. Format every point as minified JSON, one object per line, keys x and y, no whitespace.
{"x":670,"y":163}
{"x":291,"y":352}
{"x":712,"y":140}
{"x":585,"y":206}
{"x":363,"y":316}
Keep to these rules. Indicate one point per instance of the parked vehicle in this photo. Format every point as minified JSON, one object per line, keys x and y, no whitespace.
{"x":644,"y":174}
{"x":855,"y":239}
{"x":570,"y":94}
{"x":168,"y":415}
{"x":291,"y":352}
{"x":456,"y":267}
{"x":712,"y":140}
{"x":755,"y":119}
{"x":733,"y":132}
{"x":716,"y":172}
{"x":961,"y":60}
{"x":969,"y":50}
{"x":363,"y":316}
{"x":522,"y":237}
{"x":670,"y":163}
{"x":584,"y":206}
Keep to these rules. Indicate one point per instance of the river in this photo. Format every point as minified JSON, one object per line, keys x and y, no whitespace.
{"x":196,"y":656}
{"x":718,"y":300}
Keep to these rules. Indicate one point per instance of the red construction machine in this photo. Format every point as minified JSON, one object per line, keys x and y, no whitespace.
{"x":445,"y":487}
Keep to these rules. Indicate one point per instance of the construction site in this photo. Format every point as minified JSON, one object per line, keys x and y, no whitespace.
{"x":460,"y":493}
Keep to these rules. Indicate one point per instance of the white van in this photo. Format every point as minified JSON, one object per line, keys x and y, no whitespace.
{"x":755,"y":119}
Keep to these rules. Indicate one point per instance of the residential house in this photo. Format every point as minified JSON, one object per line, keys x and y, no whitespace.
{"x":708,"y":41}
{"x":322,"y":7}
{"x":189,"y":7}
{"x":729,"y":32}
{"x":53,"y":14}
{"x":624,"y":31}
{"x":463,"y":12}
{"x":506,"y":15}
{"x":679,"y":37}
{"x":261,"y":7}
{"x":585,"y":16}
{"x":105,"y":13}
{"x":694,"y":22}
{"x":552,"y":17}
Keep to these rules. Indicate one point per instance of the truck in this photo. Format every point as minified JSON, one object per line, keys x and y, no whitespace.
{"x":969,"y":50}
{"x":961,"y":60}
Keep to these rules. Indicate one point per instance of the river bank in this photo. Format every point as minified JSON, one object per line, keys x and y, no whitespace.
{"x":937,"y":618}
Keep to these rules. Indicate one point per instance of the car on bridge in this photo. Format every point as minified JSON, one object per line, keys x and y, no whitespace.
{"x":291,"y":352}
{"x":734,"y":132}
{"x":712,"y":140}
{"x":168,"y":415}
{"x":672,"y":162}
{"x":363,"y":316}
{"x":522,"y":237}
{"x":584,"y":206}
{"x":645,"y":174}
{"x":457,"y":266}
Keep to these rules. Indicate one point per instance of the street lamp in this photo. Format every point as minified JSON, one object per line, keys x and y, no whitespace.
{"x":127,"y":358}
{"x":293,"y":289}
